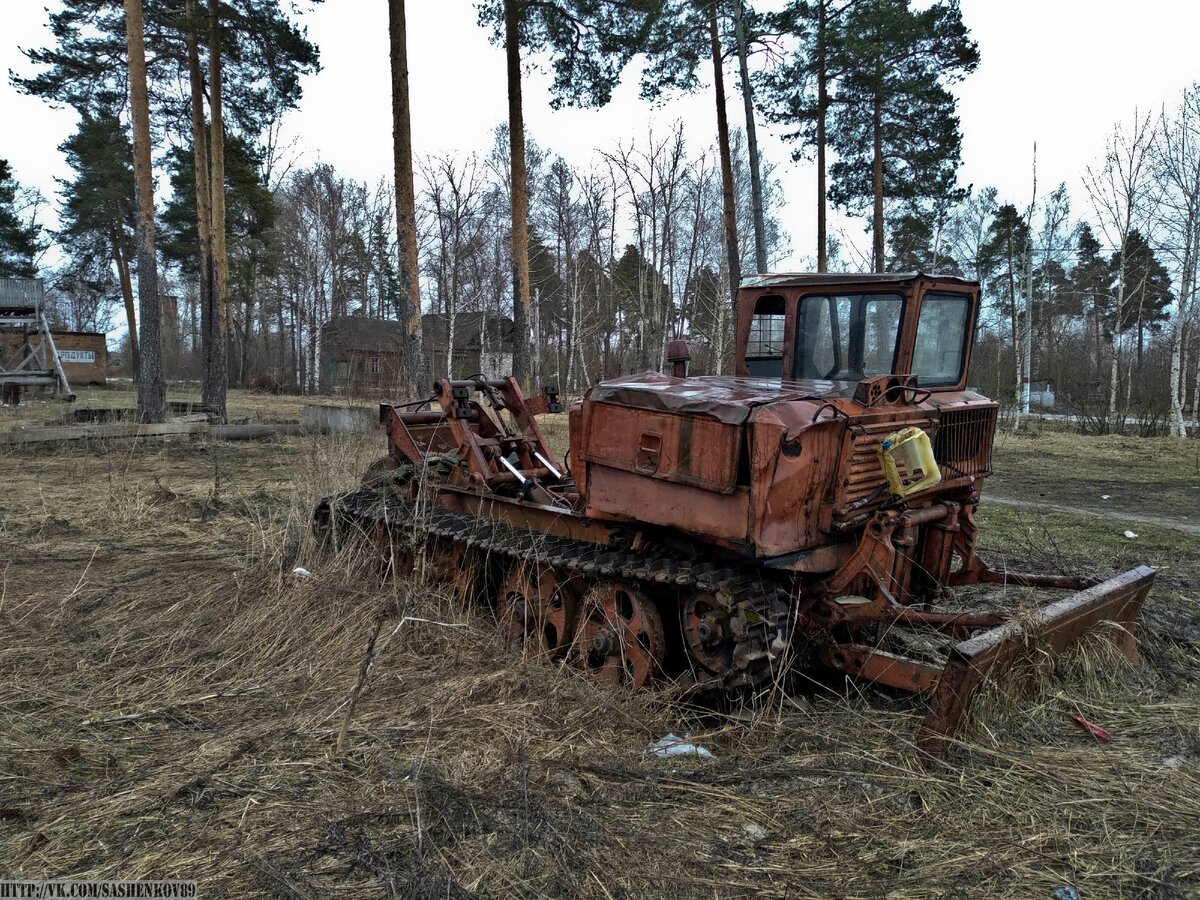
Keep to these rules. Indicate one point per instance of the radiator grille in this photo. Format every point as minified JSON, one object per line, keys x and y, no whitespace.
{"x":863,"y":475}
{"x":964,"y":441}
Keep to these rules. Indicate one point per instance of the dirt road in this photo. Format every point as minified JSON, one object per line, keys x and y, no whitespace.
{"x":1115,"y":515}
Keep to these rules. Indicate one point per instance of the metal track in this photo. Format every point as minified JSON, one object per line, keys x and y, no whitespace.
{"x":766,"y":606}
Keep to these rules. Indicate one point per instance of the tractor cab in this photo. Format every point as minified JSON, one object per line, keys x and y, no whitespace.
{"x":845,"y":328}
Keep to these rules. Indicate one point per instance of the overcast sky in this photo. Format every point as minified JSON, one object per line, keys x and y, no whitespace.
{"x":1058,"y":72}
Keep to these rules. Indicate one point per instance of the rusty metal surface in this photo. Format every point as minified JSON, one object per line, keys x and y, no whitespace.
{"x":729,"y":512}
{"x":912,"y":287}
{"x":1054,"y":627}
{"x":870,"y":664}
{"x":535,"y":517}
{"x":840,"y":279}
{"x":687,"y":449}
{"x":484,"y":440}
{"x":535,"y":609}
{"x":617,"y":495}
{"x":619,"y":639}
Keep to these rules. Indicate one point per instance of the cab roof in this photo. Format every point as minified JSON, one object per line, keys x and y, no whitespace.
{"x":835,"y":279}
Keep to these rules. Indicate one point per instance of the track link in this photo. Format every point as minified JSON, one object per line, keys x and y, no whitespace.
{"x":763,"y":626}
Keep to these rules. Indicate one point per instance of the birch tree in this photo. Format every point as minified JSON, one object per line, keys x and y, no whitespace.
{"x":453,"y":194}
{"x":1118,"y":189}
{"x":1177,"y":170}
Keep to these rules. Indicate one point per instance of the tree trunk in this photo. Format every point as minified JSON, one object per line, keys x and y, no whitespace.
{"x":1027,"y":348}
{"x":451,"y":300}
{"x":1195,"y":389}
{"x":1014,"y":324}
{"x":409,"y":302}
{"x":203,"y":210}
{"x":535,"y":344}
{"x":1114,"y":346}
{"x":877,"y":182}
{"x":247,"y":330}
{"x":151,"y":388}
{"x":718,"y":344}
{"x":121,"y":259}
{"x":1178,"y":364}
{"x":730,"y":217}
{"x":822,"y":111}
{"x":216,"y":378}
{"x":1114,"y":377}
{"x":1177,"y":427}
{"x":282,"y":345}
{"x":519,"y":195}
{"x":756,"y":192}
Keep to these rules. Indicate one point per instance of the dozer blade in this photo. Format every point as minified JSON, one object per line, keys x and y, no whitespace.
{"x":1055,"y":626}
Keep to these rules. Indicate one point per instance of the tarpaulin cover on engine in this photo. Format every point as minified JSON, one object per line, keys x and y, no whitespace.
{"x":724,"y":398}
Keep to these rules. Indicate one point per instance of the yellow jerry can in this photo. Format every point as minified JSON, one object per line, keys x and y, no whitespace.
{"x":908,"y":462}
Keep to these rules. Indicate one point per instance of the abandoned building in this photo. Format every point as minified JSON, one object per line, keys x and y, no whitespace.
{"x":33,"y":355}
{"x":476,"y":351}
{"x":360,"y":355}
{"x":83,"y":354}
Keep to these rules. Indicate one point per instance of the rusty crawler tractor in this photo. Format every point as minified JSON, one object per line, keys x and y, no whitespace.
{"x":812,"y":511}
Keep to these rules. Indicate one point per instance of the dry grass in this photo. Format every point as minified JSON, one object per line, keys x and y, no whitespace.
{"x":38,"y":409}
{"x":155,"y":582}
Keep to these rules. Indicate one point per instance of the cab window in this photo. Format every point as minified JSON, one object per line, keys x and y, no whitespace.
{"x":941,"y":339}
{"x":846,"y":337}
{"x":764,"y":349}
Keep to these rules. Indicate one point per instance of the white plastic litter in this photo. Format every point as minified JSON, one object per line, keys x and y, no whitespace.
{"x":1131,"y":534}
{"x":1106,"y":496}
{"x":674,"y":745}
{"x":301,"y":572}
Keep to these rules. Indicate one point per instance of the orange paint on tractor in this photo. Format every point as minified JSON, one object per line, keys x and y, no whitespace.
{"x":736,"y":514}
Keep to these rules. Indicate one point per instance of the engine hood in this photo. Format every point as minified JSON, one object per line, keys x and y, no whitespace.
{"x":726,"y":398}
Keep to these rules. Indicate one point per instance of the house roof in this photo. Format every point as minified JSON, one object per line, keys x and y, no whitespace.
{"x":467,"y":327}
{"x":361,"y":333}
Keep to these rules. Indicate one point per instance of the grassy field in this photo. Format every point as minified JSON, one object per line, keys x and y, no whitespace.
{"x":1152,"y":476}
{"x":171,"y":696}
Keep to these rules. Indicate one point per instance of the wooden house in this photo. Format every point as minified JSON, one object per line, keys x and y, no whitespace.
{"x":361,"y":355}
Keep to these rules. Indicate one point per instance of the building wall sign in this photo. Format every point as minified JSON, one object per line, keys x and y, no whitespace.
{"x":77,"y":356}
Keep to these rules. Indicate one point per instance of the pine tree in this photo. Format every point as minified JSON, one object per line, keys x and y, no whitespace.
{"x":1006,"y":252}
{"x":19,"y":244}
{"x":894,"y":127}
{"x":1148,"y":298}
{"x":1089,"y":287}
{"x":250,"y":214}
{"x":683,"y":36}
{"x":98,"y":210}
{"x":408,"y":307}
{"x":742,"y":17}
{"x":800,"y":91}
{"x":151,"y":385}
{"x":252,"y":79}
{"x":915,"y":247}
